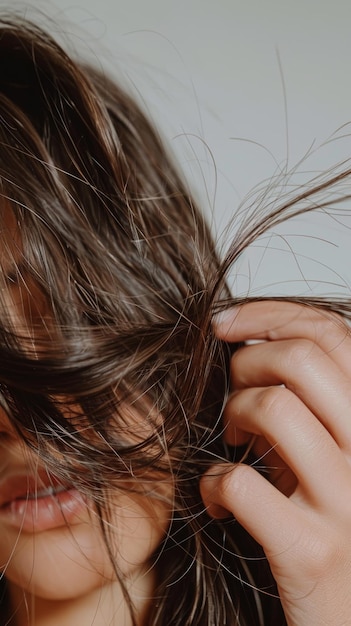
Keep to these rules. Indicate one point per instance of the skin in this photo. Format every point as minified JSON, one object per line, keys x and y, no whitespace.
{"x":291,"y":397}
{"x":63,"y":575}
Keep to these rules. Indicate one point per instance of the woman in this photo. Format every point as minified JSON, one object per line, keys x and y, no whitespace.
{"x":113,"y":381}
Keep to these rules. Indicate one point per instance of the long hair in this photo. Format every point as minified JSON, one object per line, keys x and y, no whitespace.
{"x":125,"y":279}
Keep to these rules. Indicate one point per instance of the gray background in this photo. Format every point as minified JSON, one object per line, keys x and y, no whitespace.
{"x":240,"y":88}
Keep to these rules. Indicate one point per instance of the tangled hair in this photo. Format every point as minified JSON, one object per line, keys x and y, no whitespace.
{"x":125,"y":279}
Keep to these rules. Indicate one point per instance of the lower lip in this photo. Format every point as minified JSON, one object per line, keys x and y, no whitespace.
{"x":45,"y":513}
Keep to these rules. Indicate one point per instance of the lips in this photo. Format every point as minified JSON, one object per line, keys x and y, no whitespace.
{"x":24,"y":487}
{"x":38,"y":503}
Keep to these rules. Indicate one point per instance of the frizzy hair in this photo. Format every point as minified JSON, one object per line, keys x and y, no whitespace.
{"x":128,"y":279}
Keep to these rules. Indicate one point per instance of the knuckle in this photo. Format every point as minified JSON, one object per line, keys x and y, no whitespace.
{"x":299,"y":353}
{"x":232,"y":484}
{"x":316,"y":549}
{"x":320,"y":555}
{"x":329,"y":319}
{"x":333,"y":326}
{"x":271,"y":401}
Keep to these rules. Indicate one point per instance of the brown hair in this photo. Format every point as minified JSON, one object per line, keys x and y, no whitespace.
{"x":127,"y":269}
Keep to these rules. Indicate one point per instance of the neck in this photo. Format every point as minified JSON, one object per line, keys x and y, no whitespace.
{"x":106,"y":606}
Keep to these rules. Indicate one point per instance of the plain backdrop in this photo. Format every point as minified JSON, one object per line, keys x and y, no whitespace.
{"x":240,"y":89}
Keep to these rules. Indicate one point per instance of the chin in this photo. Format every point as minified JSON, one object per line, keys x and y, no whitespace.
{"x":72,"y":561}
{"x":60,"y":564}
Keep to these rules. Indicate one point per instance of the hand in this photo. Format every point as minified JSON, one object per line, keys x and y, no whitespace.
{"x":292,"y":394}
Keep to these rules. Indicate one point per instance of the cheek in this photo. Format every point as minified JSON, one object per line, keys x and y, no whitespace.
{"x":137,"y":527}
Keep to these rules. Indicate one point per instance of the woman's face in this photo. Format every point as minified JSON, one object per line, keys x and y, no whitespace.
{"x":51,"y":543}
{"x":50,"y":537}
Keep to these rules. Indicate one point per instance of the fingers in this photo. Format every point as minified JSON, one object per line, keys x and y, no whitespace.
{"x":308,"y":372}
{"x":292,"y":391}
{"x":292,"y":398}
{"x":243,"y":492}
{"x":299,"y":441}
{"x":272,"y":320}
{"x":306,"y":349}
{"x":272,"y":466}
